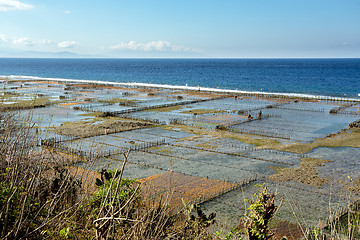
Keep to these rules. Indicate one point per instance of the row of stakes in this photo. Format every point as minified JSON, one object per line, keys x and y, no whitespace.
{"x":204,"y":199}
{"x":152,"y":120}
{"x":240,"y":155}
{"x":324,"y":98}
{"x":303,"y":109}
{"x":259,"y":132}
{"x":339,"y":110}
{"x":90,"y":108}
{"x":179,"y":121}
{"x":56,"y":143}
{"x":248,"y":148}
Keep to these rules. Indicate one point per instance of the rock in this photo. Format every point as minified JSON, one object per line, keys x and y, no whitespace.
{"x":334,"y":110}
{"x":355,"y":124}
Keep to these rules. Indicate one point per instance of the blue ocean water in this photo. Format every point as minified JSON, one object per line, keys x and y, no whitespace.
{"x":329,"y":77}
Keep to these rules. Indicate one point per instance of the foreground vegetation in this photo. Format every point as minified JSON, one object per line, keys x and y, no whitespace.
{"x":41,"y":199}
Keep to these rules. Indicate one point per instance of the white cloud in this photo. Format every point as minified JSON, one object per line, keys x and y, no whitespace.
{"x":67,"y":12}
{"x":8,"y":5}
{"x":4,"y":38}
{"x":151,"y":46}
{"x":45,"y":41}
{"x":66,"y":44}
{"x":24,"y":41}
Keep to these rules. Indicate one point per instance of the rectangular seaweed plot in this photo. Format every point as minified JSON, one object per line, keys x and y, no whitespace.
{"x":162,"y":116}
{"x":109,"y":108}
{"x":256,"y":166}
{"x":112,"y":142}
{"x":231,"y":104}
{"x":54,"y":116}
{"x":191,"y":167}
{"x":159,"y":131}
{"x":222,"y":173}
{"x":309,"y":205}
{"x":178,"y":151}
{"x":168,"y":180}
{"x":142,"y":136}
{"x":303,"y":206}
{"x":273,"y":155}
{"x":149,"y":160}
{"x":191,"y":189}
{"x":131,"y":170}
{"x":88,"y":145}
{"x":320,"y":106}
{"x":221,"y":118}
{"x":297,"y":125}
{"x":233,"y":146}
{"x":189,"y":157}
{"x":199,"y":191}
{"x":345,"y":162}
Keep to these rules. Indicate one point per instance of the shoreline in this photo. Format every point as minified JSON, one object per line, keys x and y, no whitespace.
{"x":4,"y":78}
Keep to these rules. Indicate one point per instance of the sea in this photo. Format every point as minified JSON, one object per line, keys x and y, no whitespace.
{"x":323,"y":77}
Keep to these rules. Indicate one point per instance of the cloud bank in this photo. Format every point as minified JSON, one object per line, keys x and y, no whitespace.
{"x":66,"y":44}
{"x":26,"y":41}
{"x":8,"y":5}
{"x":151,"y":46}
{"x":3,"y":38}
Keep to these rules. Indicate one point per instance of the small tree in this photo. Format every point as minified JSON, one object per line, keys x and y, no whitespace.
{"x":259,"y":213}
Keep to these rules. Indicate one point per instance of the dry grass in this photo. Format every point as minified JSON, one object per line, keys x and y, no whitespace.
{"x":70,"y":103}
{"x":183,"y":187}
{"x":118,"y":100}
{"x":345,"y":138}
{"x":246,"y":138}
{"x":166,"y":109}
{"x":305,"y":173}
{"x":26,"y":104}
{"x":206,"y":145}
{"x":203,"y":111}
{"x":203,"y":94}
{"x":48,"y":82}
{"x":97,"y":126}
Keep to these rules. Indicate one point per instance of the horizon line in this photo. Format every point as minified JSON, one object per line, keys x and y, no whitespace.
{"x":179,"y":57}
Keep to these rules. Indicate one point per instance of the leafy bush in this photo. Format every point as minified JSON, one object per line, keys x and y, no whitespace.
{"x":259,"y":213}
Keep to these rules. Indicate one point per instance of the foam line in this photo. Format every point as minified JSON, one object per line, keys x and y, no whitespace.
{"x":179,"y":87}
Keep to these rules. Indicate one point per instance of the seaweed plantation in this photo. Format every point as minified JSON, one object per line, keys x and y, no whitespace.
{"x":193,"y":147}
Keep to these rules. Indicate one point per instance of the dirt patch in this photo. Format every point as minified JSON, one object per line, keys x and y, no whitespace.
{"x":206,"y":145}
{"x":50,"y":158}
{"x":245,"y":138}
{"x":289,"y":230}
{"x":95,"y":128}
{"x":353,"y":185}
{"x":277,"y":100}
{"x":118,"y":100}
{"x":166,"y":109}
{"x":48,"y":82}
{"x":86,"y":177}
{"x":222,"y":118}
{"x":70,"y":104}
{"x":203,"y":111}
{"x":203,"y":94}
{"x":27,"y":104}
{"x":183,"y":187}
{"x":345,"y":138}
{"x":306,"y":173}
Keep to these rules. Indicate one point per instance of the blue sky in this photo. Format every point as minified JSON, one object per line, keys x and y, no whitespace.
{"x":186,"y":28}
